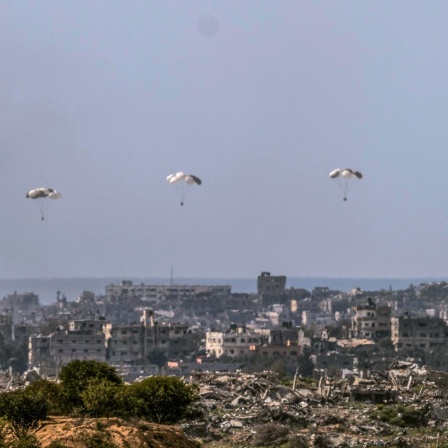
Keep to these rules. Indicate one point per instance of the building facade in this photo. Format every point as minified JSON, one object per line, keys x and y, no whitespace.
{"x":84,"y":339}
{"x":234,"y":342}
{"x":371,"y":321}
{"x":126,"y":287}
{"x":271,"y":284}
{"x":424,"y":333}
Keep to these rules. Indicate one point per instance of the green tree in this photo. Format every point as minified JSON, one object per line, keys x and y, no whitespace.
{"x":101,"y":398}
{"x":76,"y":375}
{"x":22,"y":411}
{"x":163,"y":399}
{"x":52,"y":393}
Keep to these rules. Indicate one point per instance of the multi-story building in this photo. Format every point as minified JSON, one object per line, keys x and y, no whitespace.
{"x":124,"y":342}
{"x":418,"y":332}
{"x":115,"y":343}
{"x":6,"y":327}
{"x":171,"y":338}
{"x":278,"y":342}
{"x":286,"y":335}
{"x":310,"y":318}
{"x":271,"y":284}
{"x":126,"y":287}
{"x":39,"y":351}
{"x":234,"y":342}
{"x":24,"y":308}
{"x":371,"y":321}
{"x":314,"y":338}
{"x":84,"y":339}
{"x":239,"y":341}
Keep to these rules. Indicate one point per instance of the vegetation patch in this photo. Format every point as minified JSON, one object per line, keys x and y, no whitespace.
{"x":98,"y":441}
{"x":401,"y":415}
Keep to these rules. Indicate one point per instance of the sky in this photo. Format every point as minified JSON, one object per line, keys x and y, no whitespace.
{"x":101,"y":100}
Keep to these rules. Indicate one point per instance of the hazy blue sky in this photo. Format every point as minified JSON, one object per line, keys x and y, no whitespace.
{"x":101,"y":100}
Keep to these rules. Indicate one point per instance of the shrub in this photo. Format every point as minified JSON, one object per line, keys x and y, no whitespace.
{"x":100,"y":398}
{"x":23,"y":412}
{"x":402,"y":416}
{"x":57,"y":445}
{"x":98,"y":441}
{"x":51,"y":392}
{"x":25,"y":441}
{"x":76,"y":375}
{"x":162,"y":399}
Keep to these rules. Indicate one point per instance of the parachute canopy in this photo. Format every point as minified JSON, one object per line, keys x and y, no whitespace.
{"x":346,"y":173}
{"x":344,"y":177}
{"x":37,"y":193}
{"x":182,"y":181}
{"x":43,"y":193}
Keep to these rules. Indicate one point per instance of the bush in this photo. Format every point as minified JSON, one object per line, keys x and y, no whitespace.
{"x":57,"y":445}
{"x":100,"y":398}
{"x":76,"y":375}
{"x":162,"y":399}
{"x":98,"y":441}
{"x":402,"y":416}
{"x":51,"y":392}
{"x":25,"y":441}
{"x":23,"y":412}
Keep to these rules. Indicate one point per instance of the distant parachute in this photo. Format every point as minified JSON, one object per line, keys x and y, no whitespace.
{"x":43,"y":194}
{"x":182,"y":182}
{"x":345,"y":178}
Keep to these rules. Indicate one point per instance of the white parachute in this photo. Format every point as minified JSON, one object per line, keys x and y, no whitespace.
{"x":43,"y":194}
{"x":345,"y":178}
{"x":182,"y":183}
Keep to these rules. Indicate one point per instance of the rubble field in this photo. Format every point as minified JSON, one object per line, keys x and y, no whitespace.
{"x":403,"y":406}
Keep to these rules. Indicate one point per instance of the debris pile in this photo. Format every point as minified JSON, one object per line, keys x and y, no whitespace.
{"x":395,"y":407}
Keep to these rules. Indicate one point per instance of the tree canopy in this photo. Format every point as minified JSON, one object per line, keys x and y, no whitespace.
{"x":76,"y":375}
{"x":22,"y":411}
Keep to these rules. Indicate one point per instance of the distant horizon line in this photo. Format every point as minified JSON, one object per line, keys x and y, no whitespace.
{"x":130,"y":277}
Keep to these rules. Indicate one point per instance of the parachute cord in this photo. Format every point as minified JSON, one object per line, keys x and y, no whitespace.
{"x":43,"y":207}
{"x":348,"y":186}
{"x":182,"y":193}
{"x":346,"y":191}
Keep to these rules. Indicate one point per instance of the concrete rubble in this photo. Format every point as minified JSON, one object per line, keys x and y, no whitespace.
{"x":335,"y":413}
{"x":241,"y":408}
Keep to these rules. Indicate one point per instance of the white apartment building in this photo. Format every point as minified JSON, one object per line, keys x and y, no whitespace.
{"x":236,"y":342}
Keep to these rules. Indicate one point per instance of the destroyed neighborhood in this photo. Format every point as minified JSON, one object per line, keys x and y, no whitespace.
{"x":315,"y":368}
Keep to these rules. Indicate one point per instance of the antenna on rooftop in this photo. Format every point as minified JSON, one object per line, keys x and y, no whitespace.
{"x":171,"y":279}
